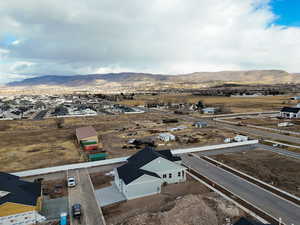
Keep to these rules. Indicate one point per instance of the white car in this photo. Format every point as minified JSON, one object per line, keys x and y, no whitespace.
{"x":71,"y":182}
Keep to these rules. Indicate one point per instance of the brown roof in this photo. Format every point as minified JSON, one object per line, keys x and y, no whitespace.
{"x":84,"y":132}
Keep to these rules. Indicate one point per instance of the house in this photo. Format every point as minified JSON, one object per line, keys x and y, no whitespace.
{"x":87,"y":137}
{"x":240,"y":138}
{"x":166,"y":137}
{"x":295,"y":98}
{"x":20,"y":201}
{"x":285,"y":124}
{"x":209,"y":110}
{"x":290,"y":112}
{"x":146,"y":171}
{"x":200,"y":124}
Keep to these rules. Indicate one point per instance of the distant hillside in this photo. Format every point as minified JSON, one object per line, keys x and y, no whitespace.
{"x":140,"y":80}
{"x":90,"y":79}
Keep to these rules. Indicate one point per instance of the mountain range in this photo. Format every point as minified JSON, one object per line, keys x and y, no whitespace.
{"x":129,"y":80}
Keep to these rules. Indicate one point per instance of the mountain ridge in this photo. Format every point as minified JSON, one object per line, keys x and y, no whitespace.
{"x":134,"y":79}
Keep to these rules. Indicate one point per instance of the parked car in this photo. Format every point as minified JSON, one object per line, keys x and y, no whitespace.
{"x":71,"y":182}
{"x":76,"y":211}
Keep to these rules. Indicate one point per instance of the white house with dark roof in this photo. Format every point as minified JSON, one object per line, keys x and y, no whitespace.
{"x":146,"y":171}
{"x":290,"y":112}
{"x":20,"y":201}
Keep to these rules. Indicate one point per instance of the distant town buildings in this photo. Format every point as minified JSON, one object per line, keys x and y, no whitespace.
{"x":39,"y":106}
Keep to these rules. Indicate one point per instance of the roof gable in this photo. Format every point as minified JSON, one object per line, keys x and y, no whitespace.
{"x":20,"y":191}
{"x":84,"y":132}
{"x":144,"y":179}
{"x":290,"y":109}
{"x":134,"y":168}
{"x":161,"y":164}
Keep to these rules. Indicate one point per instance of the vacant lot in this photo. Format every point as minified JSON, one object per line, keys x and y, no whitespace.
{"x":27,"y":144}
{"x":271,"y":122}
{"x":184,"y":203}
{"x":279,"y":170}
{"x":232,"y":104}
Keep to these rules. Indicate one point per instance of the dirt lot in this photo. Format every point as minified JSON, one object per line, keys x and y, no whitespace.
{"x":27,"y":144}
{"x":233,"y":104}
{"x":279,"y":170}
{"x":55,"y":188}
{"x":186,"y":203}
{"x":271,"y":122}
{"x":100,"y":180}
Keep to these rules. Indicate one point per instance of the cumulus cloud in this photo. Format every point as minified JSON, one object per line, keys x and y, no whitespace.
{"x":170,"y":36}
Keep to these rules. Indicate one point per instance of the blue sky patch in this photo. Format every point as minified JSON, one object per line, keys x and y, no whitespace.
{"x":287,"y":12}
{"x":7,"y":40}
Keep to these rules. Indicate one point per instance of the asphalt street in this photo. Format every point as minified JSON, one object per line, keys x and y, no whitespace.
{"x":257,"y":132}
{"x":83,"y":193}
{"x":279,"y":151}
{"x":260,"y":198}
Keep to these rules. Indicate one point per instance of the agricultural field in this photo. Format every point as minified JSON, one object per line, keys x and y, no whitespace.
{"x":272,"y":168}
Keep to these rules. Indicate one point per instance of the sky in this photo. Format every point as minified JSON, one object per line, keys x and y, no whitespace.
{"x":54,"y":37}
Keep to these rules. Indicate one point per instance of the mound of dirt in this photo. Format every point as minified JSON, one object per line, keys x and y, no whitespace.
{"x":189,"y":210}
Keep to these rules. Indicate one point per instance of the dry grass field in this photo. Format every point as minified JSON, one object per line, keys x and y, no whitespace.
{"x":279,"y":170}
{"x":27,"y":144}
{"x":233,"y":104}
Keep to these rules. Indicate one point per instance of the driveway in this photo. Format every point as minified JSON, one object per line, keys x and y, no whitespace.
{"x":109,"y":195}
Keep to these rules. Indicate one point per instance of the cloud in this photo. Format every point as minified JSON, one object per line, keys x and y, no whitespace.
{"x":170,"y":36}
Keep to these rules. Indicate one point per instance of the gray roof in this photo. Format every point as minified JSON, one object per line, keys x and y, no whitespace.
{"x":132,"y":169}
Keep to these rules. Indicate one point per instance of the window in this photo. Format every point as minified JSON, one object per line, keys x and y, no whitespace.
{"x":164,"y":175}
{"x":170,"y":175}
{"x":182,"y":173}
{"x":179,"y":174}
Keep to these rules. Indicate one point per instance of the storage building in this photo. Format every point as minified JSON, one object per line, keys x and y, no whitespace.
{"x":200,"y":124}
{"x":87,"y":137}
{"x":20,"y":201}
{"x":166,"y":137}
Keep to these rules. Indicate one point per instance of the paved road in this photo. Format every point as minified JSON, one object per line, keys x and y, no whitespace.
{"x":266,"y":201}
{"x":279,"y":151}
{"x":257,"y":132}
{"x":40,"y":115}
{"x":83,"y":193}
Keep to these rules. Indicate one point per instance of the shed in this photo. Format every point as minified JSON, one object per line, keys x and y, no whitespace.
{"x":86,"y":134}
{"x":166,"y":137}
{"x":200,"y":124}
{"x":97,"y":156}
